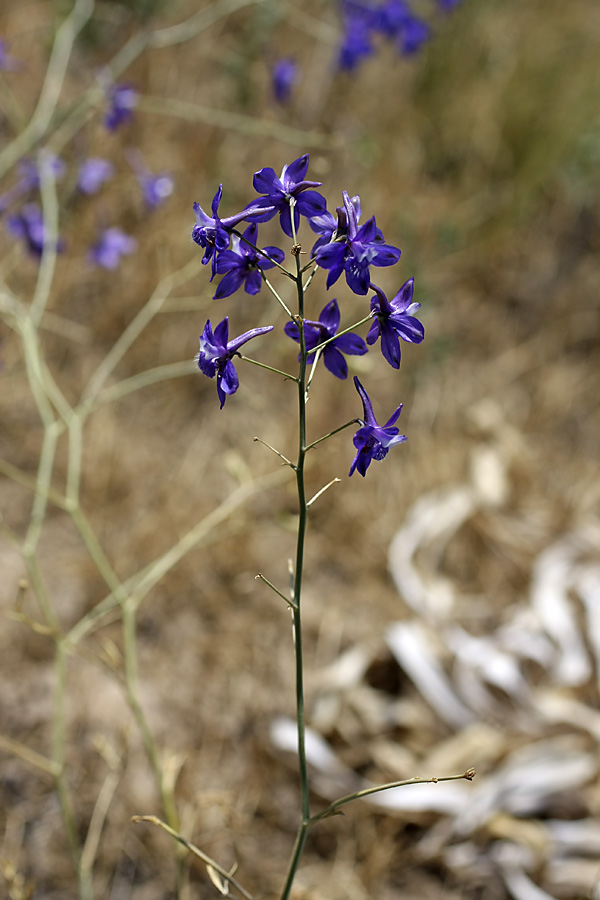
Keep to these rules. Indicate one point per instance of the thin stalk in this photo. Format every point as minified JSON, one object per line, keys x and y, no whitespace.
{"x":297,"y":585}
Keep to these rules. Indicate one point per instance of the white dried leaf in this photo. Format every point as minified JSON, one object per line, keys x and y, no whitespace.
{"x":552,"y":580}
{"x":410,"y":646}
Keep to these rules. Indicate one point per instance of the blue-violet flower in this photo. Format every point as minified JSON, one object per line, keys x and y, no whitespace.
{"x":317,"y":332}
{"x":373,"y":441}
{"x":112,"y":244}
{"x":122,"y":99}
{"x":7,"y":63}
{"x":283,"y":79}
{"x":214,"y":233}
{"x":28,"y":225}
{"x":331,"y":227}
{"x":216,"y":353}
{"x":393,"y":319}
{"x":355,"y":252}
{"x":242,"y":264}
{"x":279,"y":191}
{"x":93,"y":173}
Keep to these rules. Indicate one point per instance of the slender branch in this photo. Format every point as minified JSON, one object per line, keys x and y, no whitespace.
{"x":154,"y":820}
{"x":333,"y":808}
{"x":279,"y":299}
{"x":340,"y":333}
{"x":255,"y":362}
{"x":286,"y":600}
{"x":322,"y":491}
{"x":331,"y":433}
{"x":276,"y":452}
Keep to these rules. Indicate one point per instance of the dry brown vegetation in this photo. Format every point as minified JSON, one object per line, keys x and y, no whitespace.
{"x":481,"y":159}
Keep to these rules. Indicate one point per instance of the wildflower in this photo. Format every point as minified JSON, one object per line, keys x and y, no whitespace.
{"x":330,"y":227}
{"x":356,"y":251}
{"x":30,"y":170}
{"x":93,"y":173}
{"x":356,"y":43}
{"x":28,"y":224}
{"x":155,"y":188}
{"x":283,"y":79}
{"x":393,"y":319}
{"x":112,"y":244}
{"x":279,"y":191}
{"x":216,"y":353}
{"x":242,"y":264}
{"x":213,"y":233}
{"x":317,"y":332}
{"x":122,"y":99}
{"x":414,"y":34}
{"x":7,"y":63}
{"x":373,"y":441}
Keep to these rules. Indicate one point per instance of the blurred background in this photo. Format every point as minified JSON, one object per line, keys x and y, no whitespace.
{"x":452,"y":605}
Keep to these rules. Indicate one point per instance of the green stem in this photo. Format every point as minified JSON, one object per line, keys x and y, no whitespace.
{"x":297,"y":584}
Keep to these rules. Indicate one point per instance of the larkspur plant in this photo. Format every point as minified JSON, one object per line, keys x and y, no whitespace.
{"x":343,"y":247}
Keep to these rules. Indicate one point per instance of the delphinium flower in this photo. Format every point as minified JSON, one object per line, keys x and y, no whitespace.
{"x":111,"y":245}
{"x":393,"y":319}
{"x":317,"y":332}
{"x":242,"y":264}
{"x":155,"y":188}
{"x":7,"y":63}
{"x":213,"y":233}
{"x":356,"y":251}
{"x":31,"y":171}
{"x":358,"y":21}
{"x":331,"y":227}
{"x":283,"y":78}
{"x":398,"y":22}
{"x":278,"y":192}
{"x":217,"y":351}
{"x":122,"y":100}
{"x":373,"y":441}
{"x":93,"y":172}
{"x":28,"y":225}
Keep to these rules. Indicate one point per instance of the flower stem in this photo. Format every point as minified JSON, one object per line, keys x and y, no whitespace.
{"x":297,"y":583}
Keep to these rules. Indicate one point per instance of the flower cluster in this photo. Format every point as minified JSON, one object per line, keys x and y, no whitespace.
{"x":27,"y":222}
{"x":364,"y":24}
{"x":343,"y":247}
{"x":395,"y":20}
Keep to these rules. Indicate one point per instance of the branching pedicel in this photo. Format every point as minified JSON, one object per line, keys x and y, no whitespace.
{"x":343,"y":247}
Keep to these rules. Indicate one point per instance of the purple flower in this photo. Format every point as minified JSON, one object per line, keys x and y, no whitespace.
{"x":317,"y":332}
{"x":393,"y":319}
{"x":31,"y":171}
{"x":283,"y":79}
{"x":356,"y":43}
{"x":155,"y":188}
{"x":279,"y":191}
{"x":113,"y":244}
{"x":414,"y":34}
{"x":122,"y":99}
{"x":331,"y":228}
{"x":7,"y":63}
{"x":213,"y":233}
{"x":356,"y":251}
{"x":93,"y":173}
{"x":242,"y":264}
{"x":216,"y":353}
{"x":373,"y":441}
{"x":28,"y":225}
